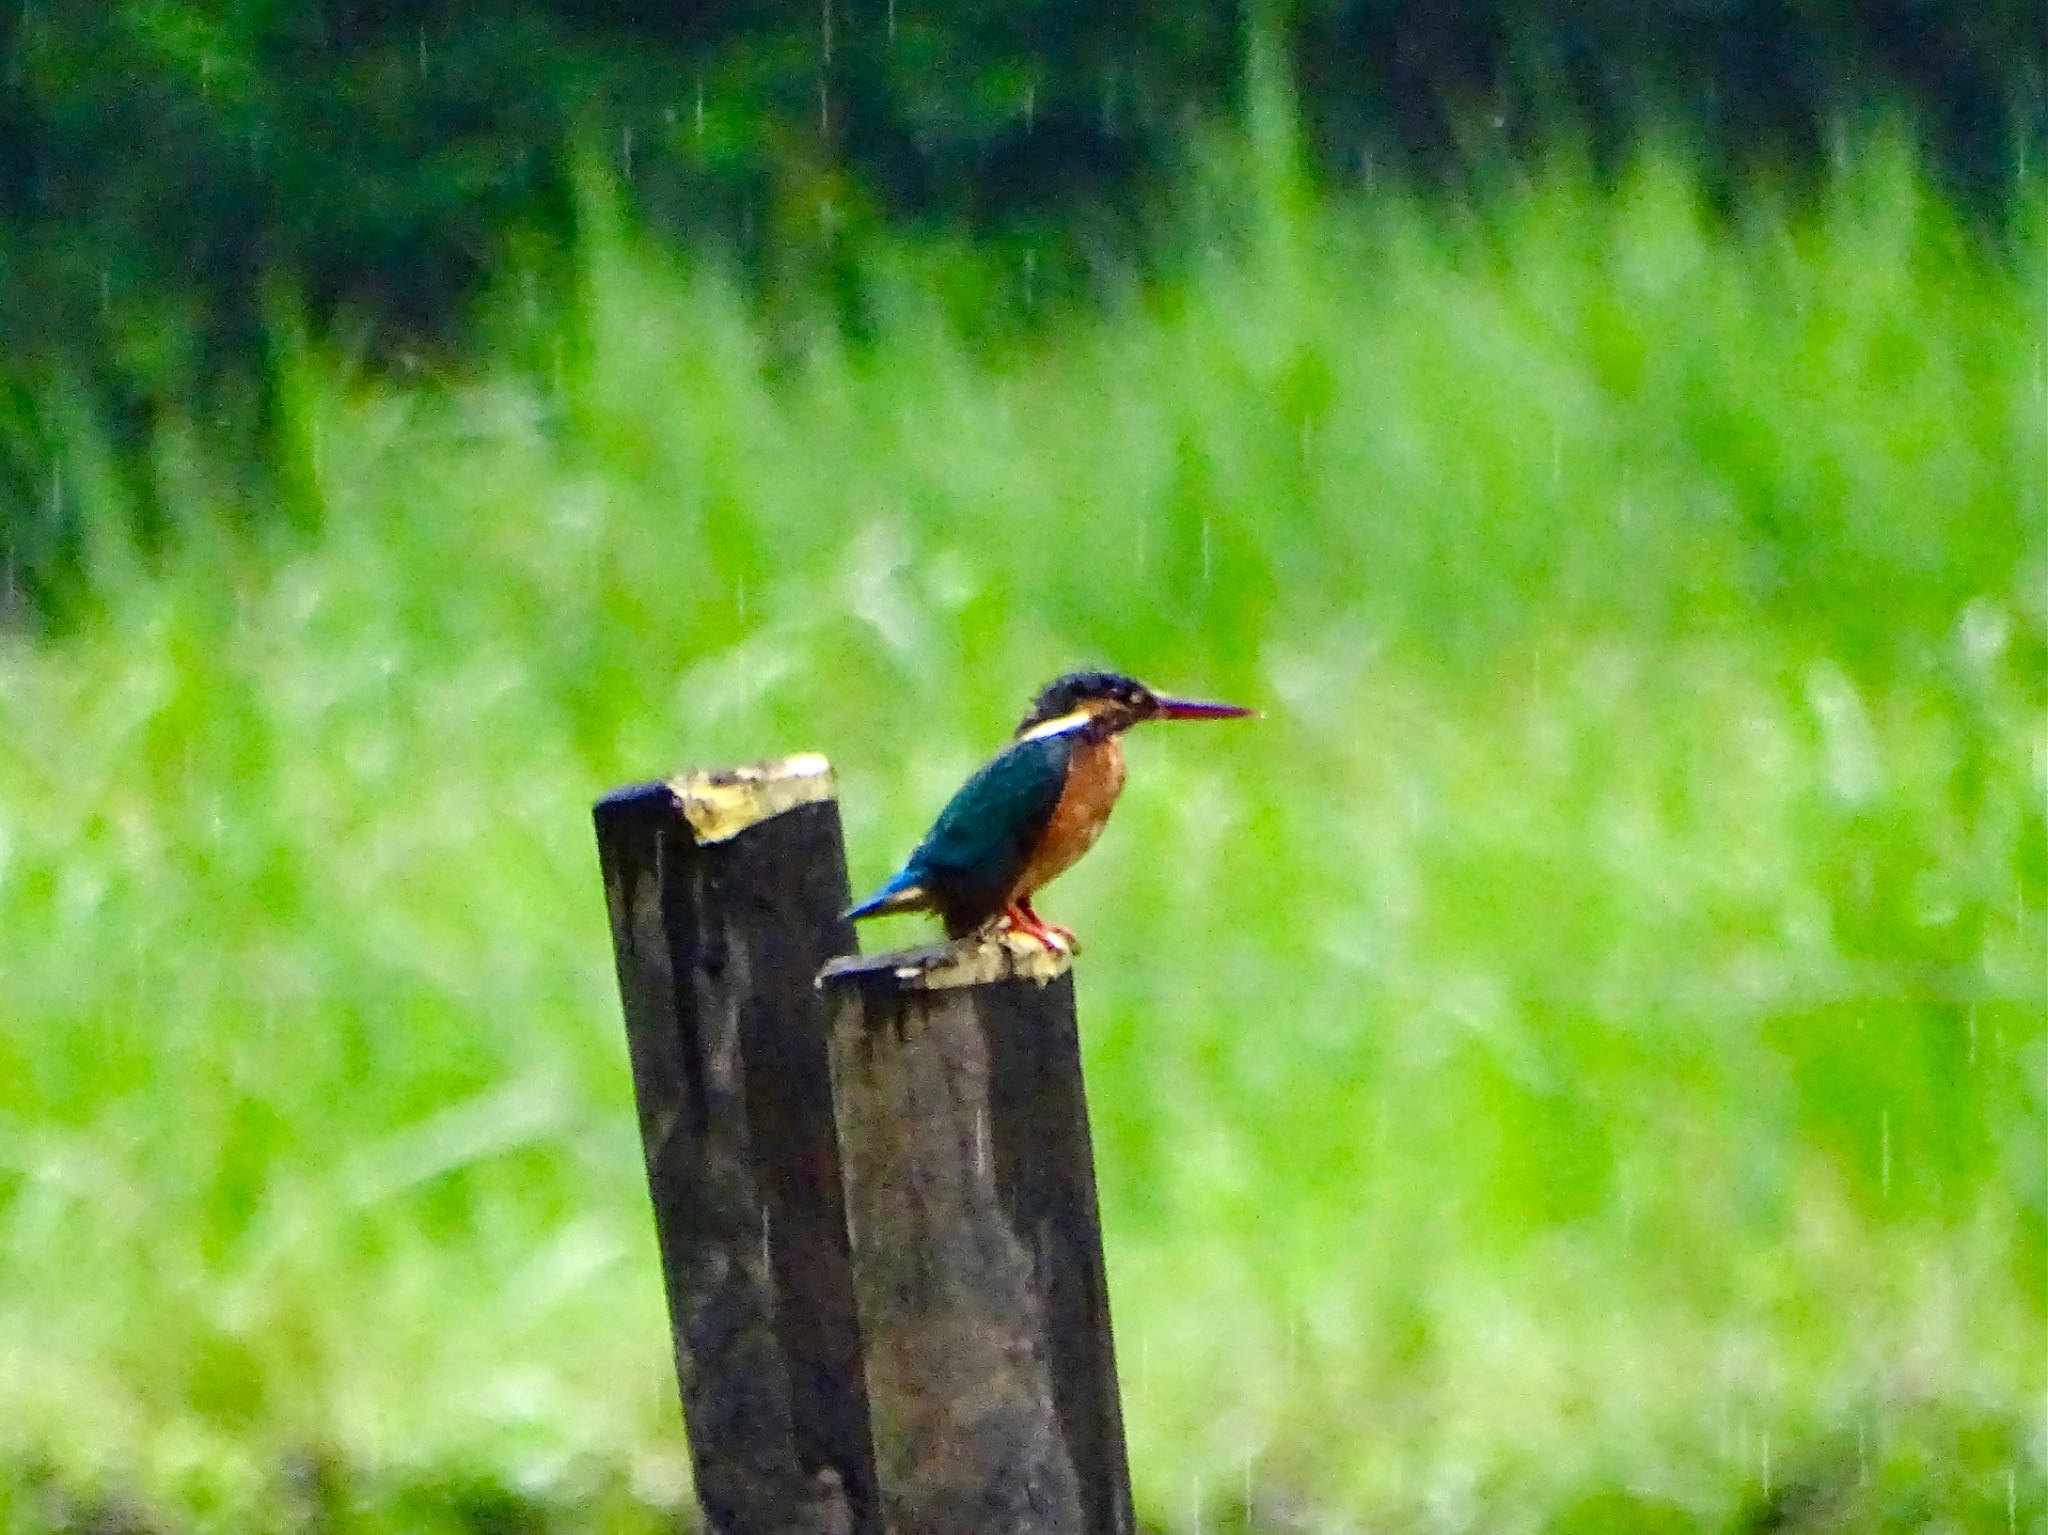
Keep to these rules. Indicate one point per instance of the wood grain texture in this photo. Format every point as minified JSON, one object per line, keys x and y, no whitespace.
{"x":977,"y":1252}
{"x":717,"y":937}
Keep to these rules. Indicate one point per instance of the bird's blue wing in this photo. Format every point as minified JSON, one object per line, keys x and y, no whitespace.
{"x":982,"y":839}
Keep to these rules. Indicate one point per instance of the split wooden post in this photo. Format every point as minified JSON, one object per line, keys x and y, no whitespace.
{"x":725,"y":892}
{"x":976,"y":1243}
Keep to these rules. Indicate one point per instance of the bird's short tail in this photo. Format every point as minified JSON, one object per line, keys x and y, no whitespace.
{"x":903,"y":893}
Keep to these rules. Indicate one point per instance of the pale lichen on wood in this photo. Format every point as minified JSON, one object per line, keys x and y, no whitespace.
{"x":978,"y":960}
{"x":720,"y":805}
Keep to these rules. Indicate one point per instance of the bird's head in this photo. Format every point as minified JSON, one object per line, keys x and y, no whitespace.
{"x":1108,"y":702}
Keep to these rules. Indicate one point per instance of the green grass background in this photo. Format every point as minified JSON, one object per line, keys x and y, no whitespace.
{"x":1576,"y":1065}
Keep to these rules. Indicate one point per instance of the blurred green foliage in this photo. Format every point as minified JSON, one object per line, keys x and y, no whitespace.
{"x":169,"y":168}
{"x":1575,"y":1065}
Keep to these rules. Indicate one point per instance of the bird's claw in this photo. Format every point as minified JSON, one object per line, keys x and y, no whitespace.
{"x":1048,"y":935}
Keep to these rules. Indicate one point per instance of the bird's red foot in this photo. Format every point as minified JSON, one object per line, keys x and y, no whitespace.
{"x":1050,"y":933}
{"x":1020,"y":918}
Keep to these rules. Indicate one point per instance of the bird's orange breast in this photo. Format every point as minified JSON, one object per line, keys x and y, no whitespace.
{"x":1095,"y":777}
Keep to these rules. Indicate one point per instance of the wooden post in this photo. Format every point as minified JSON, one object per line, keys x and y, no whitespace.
{"x":725,"y":892}
{"x":976,"y":1241}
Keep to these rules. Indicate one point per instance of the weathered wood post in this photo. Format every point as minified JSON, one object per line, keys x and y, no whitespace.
{"x":725,"y":891}
{"x":873,"y":1186}
{"x":976,"y":1243}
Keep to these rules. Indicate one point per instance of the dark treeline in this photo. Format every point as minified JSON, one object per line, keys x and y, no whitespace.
{"x":166,"y":165}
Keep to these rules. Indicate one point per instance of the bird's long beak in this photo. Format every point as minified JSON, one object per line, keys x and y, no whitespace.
{"x":1196,"y":709}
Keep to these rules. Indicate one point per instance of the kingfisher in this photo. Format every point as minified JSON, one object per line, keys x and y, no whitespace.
{"x":1033,"y":810}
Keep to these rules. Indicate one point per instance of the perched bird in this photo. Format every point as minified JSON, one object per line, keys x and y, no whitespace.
{"x":1033,"y":810}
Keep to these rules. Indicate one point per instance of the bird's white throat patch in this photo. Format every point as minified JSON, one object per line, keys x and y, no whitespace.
{"x":1057,"y":727}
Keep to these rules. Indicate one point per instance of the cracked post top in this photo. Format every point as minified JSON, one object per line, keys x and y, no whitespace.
{"x":977,"y":960}
{"x":722,"y":803}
